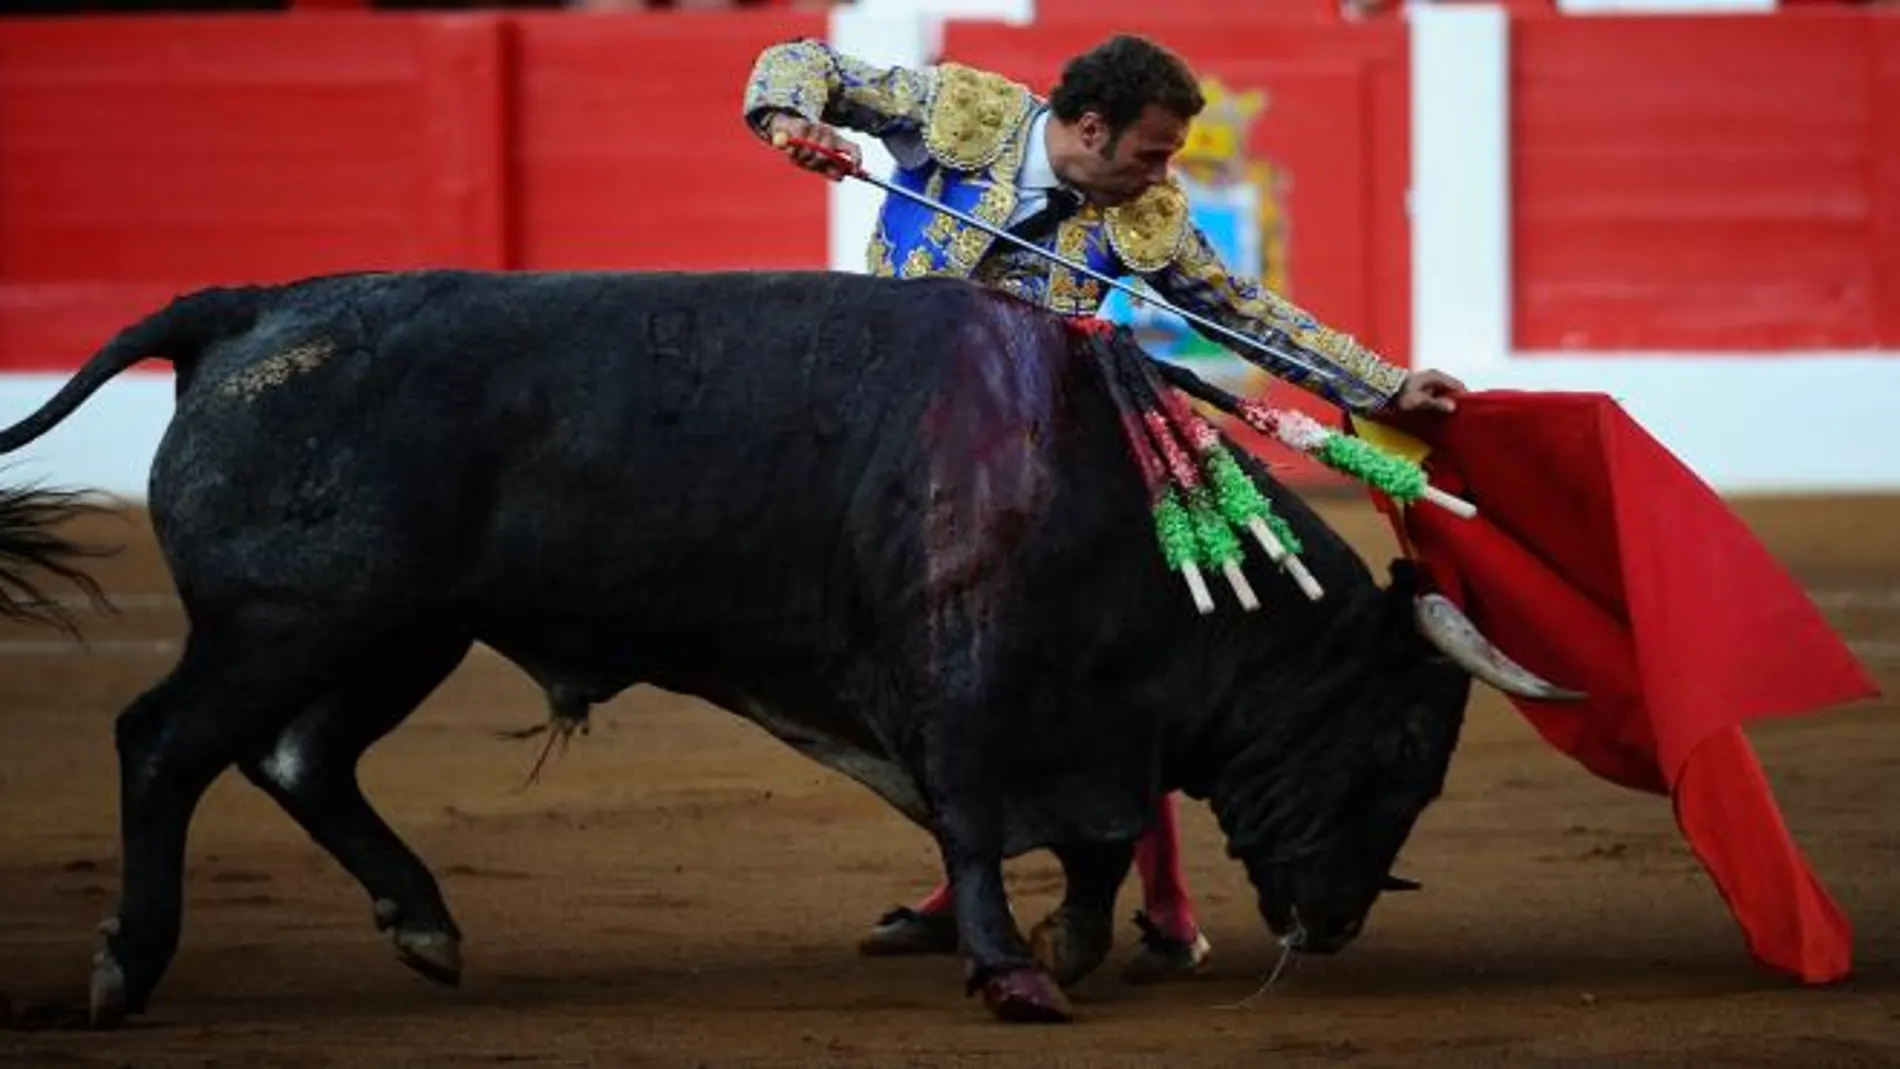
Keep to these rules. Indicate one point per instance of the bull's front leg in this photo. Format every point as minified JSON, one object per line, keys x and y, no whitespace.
{"x":1074,"y":939}
{"x":970,"y":832}
{"x":1015,"y":986}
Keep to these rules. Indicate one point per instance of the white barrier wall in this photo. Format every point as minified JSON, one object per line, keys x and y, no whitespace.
{"x":107,"y":445}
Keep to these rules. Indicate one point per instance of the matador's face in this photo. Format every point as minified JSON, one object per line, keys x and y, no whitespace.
{"x":1118,"y":168}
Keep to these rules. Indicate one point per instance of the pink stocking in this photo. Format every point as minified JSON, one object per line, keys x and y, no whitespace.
{"x":1164,"y":888}
{"x":937,"y":901}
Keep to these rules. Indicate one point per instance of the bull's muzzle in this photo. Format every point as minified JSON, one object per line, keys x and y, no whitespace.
{"x":1445,"y":626}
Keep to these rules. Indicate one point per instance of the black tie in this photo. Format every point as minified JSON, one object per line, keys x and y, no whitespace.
{"x":1062,"y":203}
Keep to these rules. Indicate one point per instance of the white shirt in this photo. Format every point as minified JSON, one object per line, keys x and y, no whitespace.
{"x":1038,"y":175}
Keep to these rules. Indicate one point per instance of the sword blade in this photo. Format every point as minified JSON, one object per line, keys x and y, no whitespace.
{"x":1225,"y":332}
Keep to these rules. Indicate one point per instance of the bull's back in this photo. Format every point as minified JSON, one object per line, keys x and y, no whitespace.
{"x":627,"y":443}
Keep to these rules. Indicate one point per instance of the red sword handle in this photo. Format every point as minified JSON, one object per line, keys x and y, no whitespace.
{"x":844,"y":161}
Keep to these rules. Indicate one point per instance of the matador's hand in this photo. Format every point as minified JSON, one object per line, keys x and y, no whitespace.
{"x":1429,"y":391}
{"x":783,"y":127}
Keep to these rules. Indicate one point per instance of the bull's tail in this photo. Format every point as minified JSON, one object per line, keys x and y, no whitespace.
{"x":30,"y":542}
{"x":177,"y":332}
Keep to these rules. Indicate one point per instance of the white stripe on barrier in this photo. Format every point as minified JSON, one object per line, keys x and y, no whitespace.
{"x":107,"y":445}
{"x":884,"y":34}
{"x":1460,"y":199}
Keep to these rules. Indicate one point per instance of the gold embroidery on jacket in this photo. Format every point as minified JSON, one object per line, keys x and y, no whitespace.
{"x":879,"y":254}
{"x":917,"y":264}
{"x":1071,"y":293}
{"x":1147,"y":233}
{"x":971,"y":116}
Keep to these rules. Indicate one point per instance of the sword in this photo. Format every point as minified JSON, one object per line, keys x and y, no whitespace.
{"x":855,"y":171}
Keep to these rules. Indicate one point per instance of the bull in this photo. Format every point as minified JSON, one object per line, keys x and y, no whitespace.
{"x":892,"y":523}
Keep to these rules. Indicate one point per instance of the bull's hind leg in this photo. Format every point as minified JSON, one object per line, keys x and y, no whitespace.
{"x":1074,"y":939}
{"x":228,"y":697}
{"x":310,"y":770}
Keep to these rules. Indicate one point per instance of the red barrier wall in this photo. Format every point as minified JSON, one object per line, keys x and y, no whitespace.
{"x":1679,"y":182}
{"x":631,"y":152}
{"x":1707,"y":183}
{"x":142,"y":157}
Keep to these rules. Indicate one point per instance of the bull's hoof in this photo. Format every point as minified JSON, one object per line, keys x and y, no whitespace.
{"x":904,"y":931}
{"x":436,"y":955}
{"x":1071,"y":945}
{"x":106,"y":1002}
{"x":1164,"y":957}
{"x":1026,"y":996}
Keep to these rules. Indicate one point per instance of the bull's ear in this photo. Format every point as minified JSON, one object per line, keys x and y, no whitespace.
{"x":1400,"y":883}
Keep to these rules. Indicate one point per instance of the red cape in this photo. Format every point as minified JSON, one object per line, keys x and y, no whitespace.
{"x":1599,"y":561}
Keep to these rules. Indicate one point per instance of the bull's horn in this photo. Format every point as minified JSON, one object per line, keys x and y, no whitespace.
{"x":1399,"y":883}
{"x":1449,"y":629}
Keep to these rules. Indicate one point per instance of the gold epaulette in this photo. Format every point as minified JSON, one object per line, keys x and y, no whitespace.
{"x":970,"y":116}
{"x":1147,"y":232}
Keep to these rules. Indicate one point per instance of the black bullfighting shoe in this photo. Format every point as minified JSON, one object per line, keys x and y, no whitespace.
{"x":1164,"y":957}
{"x":905,"y":931}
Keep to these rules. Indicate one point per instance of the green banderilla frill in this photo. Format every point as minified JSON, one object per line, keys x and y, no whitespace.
{"x":1174,"y":529}
{"x":1245,"y":506}
{"x":1219,"y":546}
{"x":1394,"y":476}
{"x":1217,"y":541}
{"x":1348,"y":454}
{"x":1241,"y":501}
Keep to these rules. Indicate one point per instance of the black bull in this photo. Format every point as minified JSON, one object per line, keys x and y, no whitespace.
{"x":893,"y":523}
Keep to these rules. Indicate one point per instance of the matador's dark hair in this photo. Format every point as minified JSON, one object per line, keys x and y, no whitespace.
{"x":1120,"y":77}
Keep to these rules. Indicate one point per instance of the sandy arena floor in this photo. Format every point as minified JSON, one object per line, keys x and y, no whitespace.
{"x":679,"y":889}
